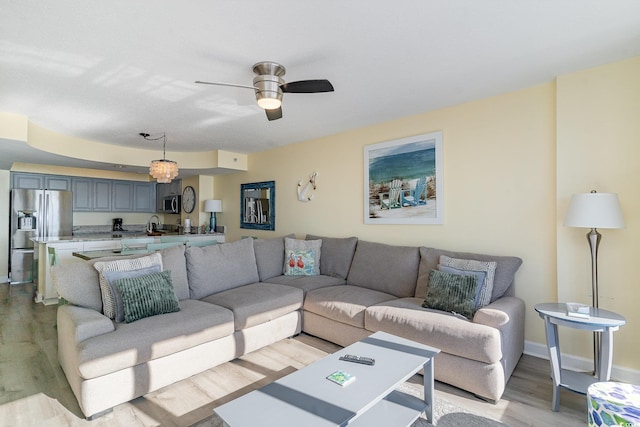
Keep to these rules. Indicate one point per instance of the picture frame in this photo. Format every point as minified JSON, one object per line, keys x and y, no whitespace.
{"x":258,"y":205}
{"x":403,"y":181}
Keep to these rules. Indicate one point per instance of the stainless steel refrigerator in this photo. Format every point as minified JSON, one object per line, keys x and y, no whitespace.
{"x":36,"y":213}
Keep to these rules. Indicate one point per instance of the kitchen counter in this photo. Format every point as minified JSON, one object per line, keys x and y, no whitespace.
{"x":112,"y":236}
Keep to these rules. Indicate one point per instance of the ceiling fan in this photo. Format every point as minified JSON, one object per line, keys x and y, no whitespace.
{"x":269,"y":87}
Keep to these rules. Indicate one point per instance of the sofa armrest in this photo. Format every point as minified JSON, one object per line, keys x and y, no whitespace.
{"x":79,"y":323}
{"x":506,"y":314}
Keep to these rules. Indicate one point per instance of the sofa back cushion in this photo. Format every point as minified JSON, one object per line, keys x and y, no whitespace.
{"x":336,"y":255}
{"x":78,"y":283}
{"x":269,"y":256}
{"x":173,"y":259}
{"x":385,"y":268}
{"x":505,"y":269}
{"x":216,"y":268}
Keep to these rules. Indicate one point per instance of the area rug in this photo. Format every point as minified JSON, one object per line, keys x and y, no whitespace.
{"x":445,"y":414}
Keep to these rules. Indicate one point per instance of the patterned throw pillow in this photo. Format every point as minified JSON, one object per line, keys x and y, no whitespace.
{"x":453,"y":293}
{"x":302,"y":245}
{"x":112,"y":276}
{"x":480,"y":277}
{"x":300,"y":263}
{"x":128,"y":264}
{"x":147,"y":296}
{"x":489,"y":267}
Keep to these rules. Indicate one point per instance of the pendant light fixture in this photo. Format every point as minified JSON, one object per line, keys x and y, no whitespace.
{"x":162,"y":170}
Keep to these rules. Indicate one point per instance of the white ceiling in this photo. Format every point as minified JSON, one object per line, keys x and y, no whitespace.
{"x":108,"y":70}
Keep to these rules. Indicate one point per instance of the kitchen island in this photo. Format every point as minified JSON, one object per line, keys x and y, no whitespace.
{"x":65,"y":246}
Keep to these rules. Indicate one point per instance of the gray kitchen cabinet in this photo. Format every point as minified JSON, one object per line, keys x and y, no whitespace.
{"x":144,"y":197}
{"x":55,"y":182}
{"x":82,"y":194}
{"x":101,"y":195}
{"x":175,"y":187}
{"x":36,"y":181}
{"x":28,"y":181}
{"x":122,"y":196}
{"x":97,"y":194}
{"x":161,"y":193}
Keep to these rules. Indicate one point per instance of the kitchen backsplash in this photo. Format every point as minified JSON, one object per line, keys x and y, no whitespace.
{"x":129,"y":228}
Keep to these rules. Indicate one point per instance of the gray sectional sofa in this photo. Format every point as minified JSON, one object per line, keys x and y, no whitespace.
{"x":234,"y":299}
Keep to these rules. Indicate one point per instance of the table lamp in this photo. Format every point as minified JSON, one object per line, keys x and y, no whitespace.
{"x":213,"y":206}
{"x":594,"y":210}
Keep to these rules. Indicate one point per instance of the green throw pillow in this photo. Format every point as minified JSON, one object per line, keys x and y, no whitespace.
{"x":454,"y":293}
{"x":147,"y":296}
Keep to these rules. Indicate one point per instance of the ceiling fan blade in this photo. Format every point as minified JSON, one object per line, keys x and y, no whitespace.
{"x":307,"y":86}
{"x":274,"y":114}
{"x":225,"y":84}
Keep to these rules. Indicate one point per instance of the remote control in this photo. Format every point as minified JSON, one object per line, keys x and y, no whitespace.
{"x":358,"y":359}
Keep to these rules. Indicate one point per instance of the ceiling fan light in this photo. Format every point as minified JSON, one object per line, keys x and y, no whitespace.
{"x":269,"y":103}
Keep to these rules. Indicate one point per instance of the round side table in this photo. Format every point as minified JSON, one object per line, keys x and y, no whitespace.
{"x":599,"y":320}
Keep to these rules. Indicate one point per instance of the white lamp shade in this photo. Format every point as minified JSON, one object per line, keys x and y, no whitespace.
{"x":213,"y":206}
{"x":594,"y":210}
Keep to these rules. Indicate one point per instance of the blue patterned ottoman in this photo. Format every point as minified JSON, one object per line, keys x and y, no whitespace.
{"x":613,"y":404}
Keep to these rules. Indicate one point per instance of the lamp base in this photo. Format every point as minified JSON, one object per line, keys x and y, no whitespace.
{"x":212,"y":223}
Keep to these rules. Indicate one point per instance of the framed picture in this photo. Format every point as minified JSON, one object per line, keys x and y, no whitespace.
{"x":403,"y":181}
{"x":258,"y":205}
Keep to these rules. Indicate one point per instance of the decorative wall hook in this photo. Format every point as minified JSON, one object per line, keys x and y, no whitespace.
{"x":303,"y":192}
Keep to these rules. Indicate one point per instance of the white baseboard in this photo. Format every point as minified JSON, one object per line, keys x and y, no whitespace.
{"x":577,"y":363}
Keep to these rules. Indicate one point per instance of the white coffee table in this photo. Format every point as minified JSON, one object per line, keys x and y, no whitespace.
{"x":307,"y":398}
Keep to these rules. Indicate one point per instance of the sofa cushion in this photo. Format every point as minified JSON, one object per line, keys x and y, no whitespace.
{"x":407,"y":318}
{"x":134,"y":343}
{"x":148,"y":295}
{"x":216,"y":268}
{"x":385,"y":268}
{"x":269,"y":255}
{"x":258,"y":302}
{"x":291,"y":249}
{"x":113,"y":276}
{"x":337,"y":254}
{"x":506,"y":267}
{"x":452,"y":293}
{"x":78,"y":283}
{"x":307,"y":283}
{"x":173,"y":259}
{"x":345,"y":304}
{"x":125,"y":264}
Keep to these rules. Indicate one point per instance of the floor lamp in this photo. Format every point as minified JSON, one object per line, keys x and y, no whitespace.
{"x":212,"y":206}
{"x":594,"y":210}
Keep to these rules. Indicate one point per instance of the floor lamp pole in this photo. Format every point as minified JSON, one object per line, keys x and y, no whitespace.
{"x":594,"y":241}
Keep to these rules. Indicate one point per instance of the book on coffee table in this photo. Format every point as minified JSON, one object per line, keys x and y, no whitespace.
{"x":341,"y":377}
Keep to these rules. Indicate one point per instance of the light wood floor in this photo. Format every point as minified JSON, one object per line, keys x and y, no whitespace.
{"x":35,"y":392}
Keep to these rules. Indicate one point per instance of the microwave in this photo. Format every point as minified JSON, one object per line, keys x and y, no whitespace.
{"x":172,"y":204}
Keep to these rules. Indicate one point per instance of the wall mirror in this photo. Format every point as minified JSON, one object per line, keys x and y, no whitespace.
{"x":258,"y":205}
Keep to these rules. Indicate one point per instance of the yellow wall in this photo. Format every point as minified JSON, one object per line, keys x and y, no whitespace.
{"x":511,"y":163}
{"x":499,"y":186}
{"x":599,"y":148}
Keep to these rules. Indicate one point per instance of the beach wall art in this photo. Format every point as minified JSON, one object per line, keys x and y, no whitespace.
{"x":403,"y":181}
